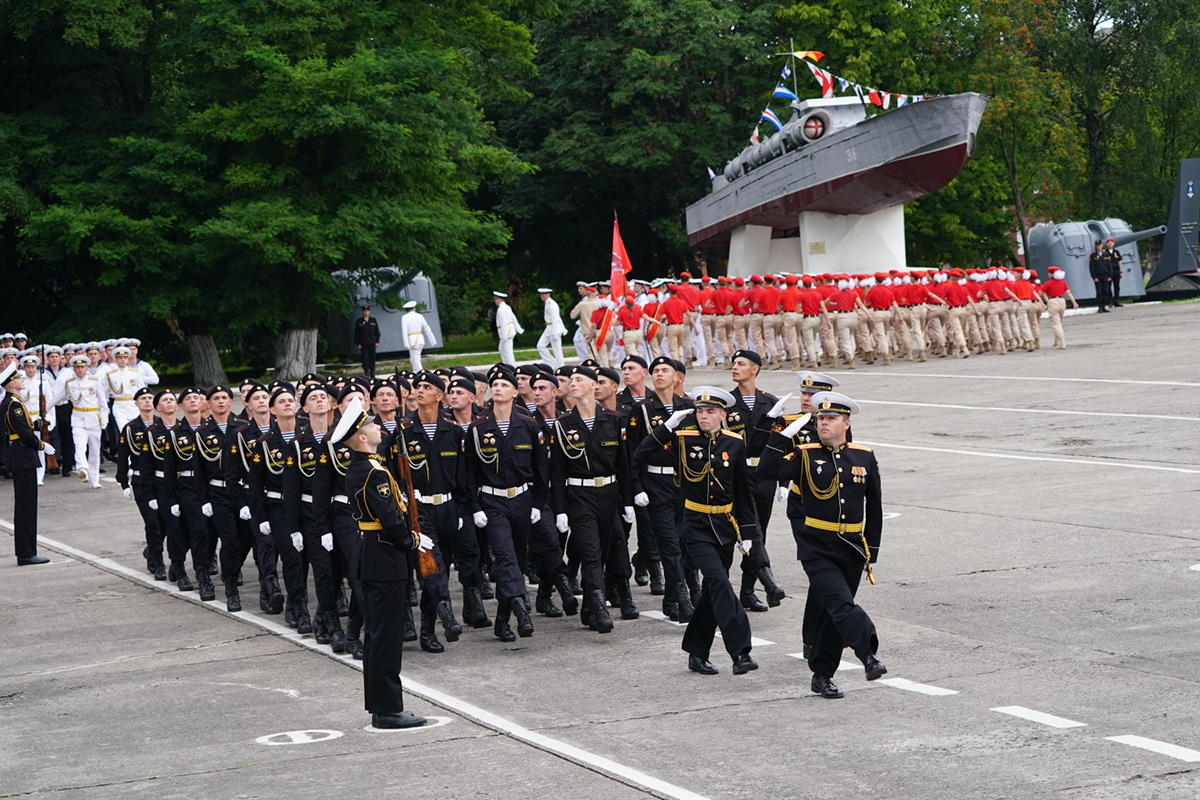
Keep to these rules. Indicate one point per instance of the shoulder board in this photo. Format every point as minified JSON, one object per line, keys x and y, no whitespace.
{"x":562,"y":417}
{"x":769,"y":397}
{"x":792,"y":417}
{"x":692,"y":432}
{"x":730,"y":433}
{"x":475,"y":423}
{"x":854,"y":446}
{"x":810,"y":446}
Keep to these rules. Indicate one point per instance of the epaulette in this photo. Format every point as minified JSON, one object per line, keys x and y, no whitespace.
{"x":475,"y":423}
{"x":687,"y":433}
{"x":771,"y":397}
{"x":854,"y":446}
{"x":792,"y":417}
{"x":733,"y":434}
{"x":809,"y":446}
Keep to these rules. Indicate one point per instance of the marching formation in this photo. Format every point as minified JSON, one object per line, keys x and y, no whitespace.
{"x":816,"y":321}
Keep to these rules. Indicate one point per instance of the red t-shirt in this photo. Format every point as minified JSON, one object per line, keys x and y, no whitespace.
{"x":736,"y":298}
{"x":810,"y":302}
{"x":1055,"y":288}
{"x":954,"y":293}
{"x":706,"y":304}
{"x":768,"y":300}
{"x":880,"y":298}
{"x":996,"y":290}
{"x":675,"y":308}
{"x":721,"y":299}
{"x":842,"y":300}
{"x":690,"y":295}
{"x":630,"y":316}
{"x":750,"y":299}
{"x":1023,"y":289}
{"x":826,"y":289}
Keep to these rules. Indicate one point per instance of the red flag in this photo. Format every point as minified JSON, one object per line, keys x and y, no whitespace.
{"x":620,"y":265}
{"x":823,"y":77}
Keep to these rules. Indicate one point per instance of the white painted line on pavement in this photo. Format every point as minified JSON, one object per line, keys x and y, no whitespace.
{"x":921,"y":688}
{"x":1027,"y":410}
{"x":1195,"y":567}
{"x":661,"y":617}
{"x":1163,"y":748}
{"x":584,"y":758}
{"x":1038,"y":716}
{"x":1019,"y":378}
{"x":843,"y":666}
{"x":1090,"y":462}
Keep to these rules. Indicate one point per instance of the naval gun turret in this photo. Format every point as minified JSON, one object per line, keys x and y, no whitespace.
{"x":1069,"y":245}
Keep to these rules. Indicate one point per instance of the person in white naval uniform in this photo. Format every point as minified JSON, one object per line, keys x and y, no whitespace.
{"x":89,"y":416}
{"x":121,"y":382}
{"x":37,"y":384}
{"x":507,"y":327}
{"x":417,"y":334}
{"x":148,"y":374}
{"x":550,"y":343}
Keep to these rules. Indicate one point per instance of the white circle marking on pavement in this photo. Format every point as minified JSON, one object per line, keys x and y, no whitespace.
{"x":433,"y":722}
{"x":299,"y":737}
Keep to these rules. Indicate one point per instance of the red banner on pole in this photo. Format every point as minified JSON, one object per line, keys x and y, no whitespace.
{"x":620,"y":265}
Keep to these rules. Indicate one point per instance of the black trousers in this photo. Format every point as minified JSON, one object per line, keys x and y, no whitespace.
{"x":177,"y":545}
{"x":647,"y":547}
{"x":345,"y":533}
{"x":833,"y":582}
{"x":383,"y":605}
{"x":719,"y":606}
{"x":666,"y":512}
{"x":615,"y":554}
{"x":66,"y":446}
{"x":1103,"y":292}
{"x":194,"y":527}
{"x":591,"y":512}
{"x":439,"y":523}
{"x":151,"y":521}
{"x":508,"y":535}
{"x":545,"y":548}
{"x":764,"y":503}
{"x":225,"y":522}
{"x":368,"y":360}
{"x":1116,"y":289}
{"x":25,"y":503}
{"x":293,"y":566}
{"x":316,"y":556}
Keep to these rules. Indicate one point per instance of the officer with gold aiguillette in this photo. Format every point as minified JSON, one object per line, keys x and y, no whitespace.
{"x":718,"y":517}
{"x":843,"y":523}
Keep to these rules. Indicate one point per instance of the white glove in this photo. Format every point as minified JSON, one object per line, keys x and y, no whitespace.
{"x":777,"y":409}
{"x":677,"y":418}
{"x":175,"y":510}
{"x":460,"y":523}
{"x":641,"y":499}
{"x":206,"y":509}
{"x":424,"y":543}
{"x":48,"y":448}
{"x":746,"y":544}
{"x":128,"y":492}
{"x":327,"y":541}
{"x":781,"y":494}
{"x":264,"y":528}
{"x":794,"y":428}
{"x":627,"y":515}
{"x":244,"y":513}
{"x":535,"y":515}
{"x":153,"y":505}
{"x":561,"y":523}
{"x":480,"y":519}
{"x":298,"y":541}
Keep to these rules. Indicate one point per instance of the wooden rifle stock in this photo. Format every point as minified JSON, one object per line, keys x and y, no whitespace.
{"x":426,"y":563}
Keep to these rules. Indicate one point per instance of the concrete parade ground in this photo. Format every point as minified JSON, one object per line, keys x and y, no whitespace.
{"x":1036,"y":605}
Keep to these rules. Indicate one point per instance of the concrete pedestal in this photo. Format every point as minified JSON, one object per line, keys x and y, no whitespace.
{"x":852,"y":243}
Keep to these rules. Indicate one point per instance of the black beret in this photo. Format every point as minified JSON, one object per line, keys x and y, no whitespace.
{"x":564,"y":371}
{"x":479,"y":377}
{"x":590,"y":363}
{"x":312,"y":376}
{"x":665,"y":360}
{"x":462,"y":372}
{"x":528,"y":370}
{"x":749,"y":355}
{"x":586,"y":372}
{"x":312,"y":387}
{"x":425,"y":376}
{"x":384,"y":383}
{"x":544,"y":376}
{"x":279,"y":392}
{"x":542,"y":366}
{"x":610,"y":373}
{"x":142,"y":391}
{"x":160,"y":395}
{"x":190,"y":390}
{"x":349,"y":389}
{"x":641,"y":362}
{"x":402,"y":383}
{"x":465,"y":384}
{"x":217,"y":390}
{"x":258,"y":387}
{"x":501,"y":373}
{"x":680,"y":367}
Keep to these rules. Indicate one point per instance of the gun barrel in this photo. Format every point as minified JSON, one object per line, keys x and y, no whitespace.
{"x":1126,"y":238}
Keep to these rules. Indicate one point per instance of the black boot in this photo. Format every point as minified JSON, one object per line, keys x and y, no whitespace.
{"x":485,"y":589}
{"x":343,"y":608}
{"x":478,"y":616}
{"x":749,"y":599}
{"x":233,"y":600}
{"x":181,"y":578}
{"x":520,"y":610}
{"x":601,"y":622}
{"x":686,"y":607}
{"x":320,"y":634}
{"x":303,"y":621}
{"x":450,"y":625}
{"x":576,"y":589}
{"x":410,"y":629}
{"x":567,"y":593}
{"x":212,"y":568}
{"x":276,"y":595}
{"x":207,"y":590}
{"x":694,"y":585}
{"x":264,"y":598}
{"x":337,"y":639}
{"x":289,"y":613}
{"x":658,"y":582}
{"x":670,"y":606}
{"x":501,"y":629}
{"x":429,"y":639}
{"x":544,"y":602}
{"x":774,"y":594}
{"x":239,"y":578}
{"x":160,"y":570}
{"x":610,"y":592}
{"x":641,"y":575}
{"x":413,"y":600}
{"x":531,"y":574}
{"x":625,"y":596}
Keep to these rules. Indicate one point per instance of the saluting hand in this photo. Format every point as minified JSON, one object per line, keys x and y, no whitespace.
{"x":794,"y":428}
{"x":675,"y":419}
{"x":777,"y":409}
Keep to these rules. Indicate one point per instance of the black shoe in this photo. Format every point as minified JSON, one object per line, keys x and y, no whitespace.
{"x":658,"y":582}
{"x":149,"y":562}
{"x":686,"y":606}
{"x":501,"y":629}
{"x":1117,"y":305}
{"x":289,"y":613}
{"x":743,"y":664}
{"x":337,"y":639}
{"x":670,"y":607}
{"x":405,"y":719}
{"x":601,"y":622}
{"x":429,"y":639}
{"x":546,"y":607}
{"x":641,"y":575}
{"x":478,"y":617}
{"x":32,"y":560}
{"x":264,"y":599}
{"x":695,"y":586}
{"x":748,"y":598}
{"x":160,"y":571}
{"x":486,"y":591}
{"x":450,"y":625}
{"x":874,"y":668}
{"x":626,"y":604}
{"x":569,"y":604}
{"x":343,"y":607}
{"x":702,"y":665}
{"x":826,"y":688}
{"x":410,"y":628}
{"x":520,"y":610}
{"x":184,"y":583}
{"x":320,"y":632}
{"x":207,"y":590}
{"x":356,"y":649}
{"x":576,"y":589}
{"x":276,"y":595}
{"x":212,"y":568}
{"x":774,"y":594}
{"x":233,"y":600}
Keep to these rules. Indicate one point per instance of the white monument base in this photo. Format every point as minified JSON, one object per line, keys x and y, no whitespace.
{"x":854,"y":242}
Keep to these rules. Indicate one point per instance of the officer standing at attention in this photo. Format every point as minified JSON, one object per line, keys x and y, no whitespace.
{"x":1116,"y":270}
{"x":843,"y":523}
{"x":1099,"y":266}
{"x":22,"y":445}
{"x":417,"y":334}
{"x":366,"y":338}
{"x":718,"y":511}
{"x":381,"y":568}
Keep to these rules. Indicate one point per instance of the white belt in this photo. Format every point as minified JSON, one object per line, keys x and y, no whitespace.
{"x":341,"y":498}
{"x":660,"y":470}
{"x":275,"y":495}
{"x":752,"y":462}
{"x":188,"y":473}
{"x":134,"y":472}
{"x":435,"y":499}
{"x":159,"y":474}
{"x":595,"y":482}
{"x":306,"y":498}
{"x":217,"y":482}
{"x":515,"y":491}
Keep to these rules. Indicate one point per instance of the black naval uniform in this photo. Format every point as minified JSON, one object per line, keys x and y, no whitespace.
{"x":1115,"y":272}
{"x":1100,"y":268}
{"x":22,"y":445}
{"x":843,"y":517}
{"x":185,"y":480}
{"x":333,"y":511}
{"x":135,"y":470}
{"x":718,"y":506}
{"x":221,"y":464}
{"x":366,"y":335}
{"x":272,"y":463}
{"x":309,"y":447}
{"x":744,"y":420}
{"x":163,"y":493}
{"x":381,"y":570}
{"x":647,"y":546}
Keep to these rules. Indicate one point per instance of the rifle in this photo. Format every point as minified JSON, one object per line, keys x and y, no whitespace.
{"x":426,"y":563}
{"x":51,"y":461}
